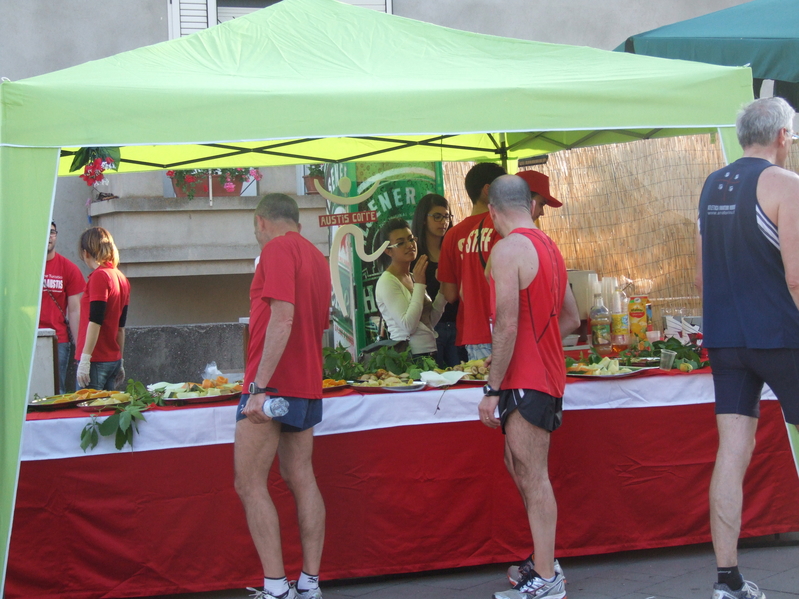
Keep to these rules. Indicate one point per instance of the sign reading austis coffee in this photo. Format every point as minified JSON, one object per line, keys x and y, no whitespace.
{"x":347,"y":218}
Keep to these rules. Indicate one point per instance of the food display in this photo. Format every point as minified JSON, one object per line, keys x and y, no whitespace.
{"x":384,"y":378}
{"x":68,"y":400}
{"x":605,"y":367}
{"x":113,"y":399}
{"x":475,"y":370}
{"x":218,"y":388}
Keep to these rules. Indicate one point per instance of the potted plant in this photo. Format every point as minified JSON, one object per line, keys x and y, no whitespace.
{"x":316,"y":172}
{"x":226,"y":181}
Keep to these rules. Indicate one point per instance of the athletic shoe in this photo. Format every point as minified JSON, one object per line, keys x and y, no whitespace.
{"x":311,"y":594}
{"x":534,"y":587}
{"x":517,"y":573}
{"x":290,"y":594}
{"x":748,"y":591}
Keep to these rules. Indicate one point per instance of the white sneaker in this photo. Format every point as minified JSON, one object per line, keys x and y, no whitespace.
{"x":748,"y":591}
{"x":262,"y":594}
{"x":536,"y":588}
{"x":517,"y":573}
{"x":310,"y":594}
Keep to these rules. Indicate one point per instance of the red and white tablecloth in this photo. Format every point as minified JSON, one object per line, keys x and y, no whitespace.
{"x":411,"y":482}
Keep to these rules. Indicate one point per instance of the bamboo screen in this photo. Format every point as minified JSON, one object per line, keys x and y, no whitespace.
{"x":629,"y":211}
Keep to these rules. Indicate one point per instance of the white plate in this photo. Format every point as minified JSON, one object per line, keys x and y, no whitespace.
{"x":406,"y":388}
{"x":635,"y":370}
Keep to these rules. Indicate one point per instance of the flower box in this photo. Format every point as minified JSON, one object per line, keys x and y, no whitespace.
{"x":201,"y":188}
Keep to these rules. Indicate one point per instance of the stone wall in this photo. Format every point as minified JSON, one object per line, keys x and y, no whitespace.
{"x":180,"y":353}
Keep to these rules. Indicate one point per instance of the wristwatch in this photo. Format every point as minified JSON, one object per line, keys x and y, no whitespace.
{"x":488,"y":390}
{"x":253,"y":390}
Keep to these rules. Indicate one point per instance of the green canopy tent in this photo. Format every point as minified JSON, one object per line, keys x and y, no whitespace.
{"x":760,"y":33}
{"x":306,"y":81}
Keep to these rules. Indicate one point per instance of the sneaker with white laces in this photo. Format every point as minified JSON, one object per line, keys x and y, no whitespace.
{"x":310,"y":594}
{"x":262,"y":594}
{"x":517,"y":573}
{"x":535,"y":587}
{"x":748,"y":591}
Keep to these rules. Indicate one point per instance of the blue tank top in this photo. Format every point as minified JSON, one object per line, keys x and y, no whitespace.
{"x":746,"y":299}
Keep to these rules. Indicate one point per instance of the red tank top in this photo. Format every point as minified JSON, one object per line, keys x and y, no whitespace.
{"x":538,"y":361}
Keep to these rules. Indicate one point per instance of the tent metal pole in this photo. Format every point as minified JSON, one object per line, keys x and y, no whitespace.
{"x":503,"y":151}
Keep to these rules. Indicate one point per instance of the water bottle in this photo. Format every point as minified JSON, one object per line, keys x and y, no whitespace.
{"x":275,"y":407}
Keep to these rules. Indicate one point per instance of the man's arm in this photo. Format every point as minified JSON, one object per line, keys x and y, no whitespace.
{"x":503,"y":337}
{"x":788,"y":226}
{"x":569,"y":318}
{"x":450,"y":292}
{"x":277,"y":335}
{"x":698,"y":271}
{"x":73,"y":314}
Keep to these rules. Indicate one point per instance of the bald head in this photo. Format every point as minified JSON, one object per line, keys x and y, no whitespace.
{"x":508,"y":193}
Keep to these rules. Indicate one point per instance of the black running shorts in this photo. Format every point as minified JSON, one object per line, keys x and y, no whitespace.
{"x":537,"y":408}
{"x":739,"y":374}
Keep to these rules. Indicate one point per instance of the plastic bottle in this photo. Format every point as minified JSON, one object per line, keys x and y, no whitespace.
{"x":600,"y":322}
{"x":620,"y":321}
{"x":275,"y":407}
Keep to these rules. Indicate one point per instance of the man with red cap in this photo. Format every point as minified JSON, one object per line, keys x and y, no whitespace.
{"x":539,"y":188}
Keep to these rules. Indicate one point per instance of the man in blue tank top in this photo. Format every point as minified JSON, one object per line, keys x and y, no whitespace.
{"x":748,"y":272}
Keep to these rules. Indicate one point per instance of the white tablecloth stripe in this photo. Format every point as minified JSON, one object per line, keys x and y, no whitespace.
{"x":60,"y":438}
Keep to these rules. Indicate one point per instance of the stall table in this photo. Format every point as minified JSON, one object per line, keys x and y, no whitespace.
{"x":411,"y":481}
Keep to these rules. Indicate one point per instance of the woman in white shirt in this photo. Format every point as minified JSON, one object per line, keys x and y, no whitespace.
{"x":401,"y":294}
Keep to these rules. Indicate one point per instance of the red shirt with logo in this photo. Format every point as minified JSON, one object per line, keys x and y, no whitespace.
{"x":106,"y":284}
{"x":464,"y":254}
{"x":291,"y":269}
{"x":538,"y":361}
{"x":62,"y":279}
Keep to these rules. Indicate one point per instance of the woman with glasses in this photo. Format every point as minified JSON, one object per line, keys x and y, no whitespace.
{"x":401,"y":293}
{"x":431,"y":221}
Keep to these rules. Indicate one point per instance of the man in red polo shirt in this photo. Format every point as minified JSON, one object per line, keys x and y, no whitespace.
{"x":289,"y":311}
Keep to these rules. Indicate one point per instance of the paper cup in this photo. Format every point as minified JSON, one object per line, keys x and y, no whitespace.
{"x":667,"y":359}
{"x":652,"y":336}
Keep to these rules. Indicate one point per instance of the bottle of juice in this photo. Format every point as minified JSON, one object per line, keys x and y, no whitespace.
{"x":620,"y":321}
{"x":600,"y":323}
{"x":638,"y":320}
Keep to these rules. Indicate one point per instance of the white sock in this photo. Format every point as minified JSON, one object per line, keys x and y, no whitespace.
{"x":276,"y":586}
{"x":307,"y":582}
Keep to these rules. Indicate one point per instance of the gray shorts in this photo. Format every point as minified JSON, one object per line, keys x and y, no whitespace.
{"x":302,"y":415}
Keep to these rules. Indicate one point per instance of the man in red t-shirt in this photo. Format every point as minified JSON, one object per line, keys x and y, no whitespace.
{"x":289,"y":311}
{"x":533,"y":308}
{"x":461,"y":265}
{"x":60,"y":309}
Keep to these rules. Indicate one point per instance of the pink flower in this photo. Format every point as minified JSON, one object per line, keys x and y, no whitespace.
{"x":229,"y":186}
{"x":255,"y":174}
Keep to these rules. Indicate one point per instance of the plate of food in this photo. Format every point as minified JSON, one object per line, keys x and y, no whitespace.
{"x":67,"y":400}
{"x":333,"y":385}
{"x":386,"y":386}
{"x":195,"y":397}
{"x":105,"y":403}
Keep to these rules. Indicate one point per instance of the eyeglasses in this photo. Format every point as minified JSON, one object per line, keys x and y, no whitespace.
{"x":401,"y":244}
{"x":792,"y":134}
{"x":53,"y":232}
{"x":438,"y":217}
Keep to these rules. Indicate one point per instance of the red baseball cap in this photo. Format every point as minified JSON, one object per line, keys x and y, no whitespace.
{"x":539,"y":183}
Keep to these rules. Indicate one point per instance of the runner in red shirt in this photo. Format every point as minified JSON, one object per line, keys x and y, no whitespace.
{"x":461,"y":267}
{"x":60,"y":309}
{"x":289,"y":311}
{"x":534,"y":310}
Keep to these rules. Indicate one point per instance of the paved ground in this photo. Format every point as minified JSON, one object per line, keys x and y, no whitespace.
{"x":674,"y":573}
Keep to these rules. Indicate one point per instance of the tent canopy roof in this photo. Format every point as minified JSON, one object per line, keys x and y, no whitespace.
{"x":762,"y":33}
{"x":318,"y":80}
